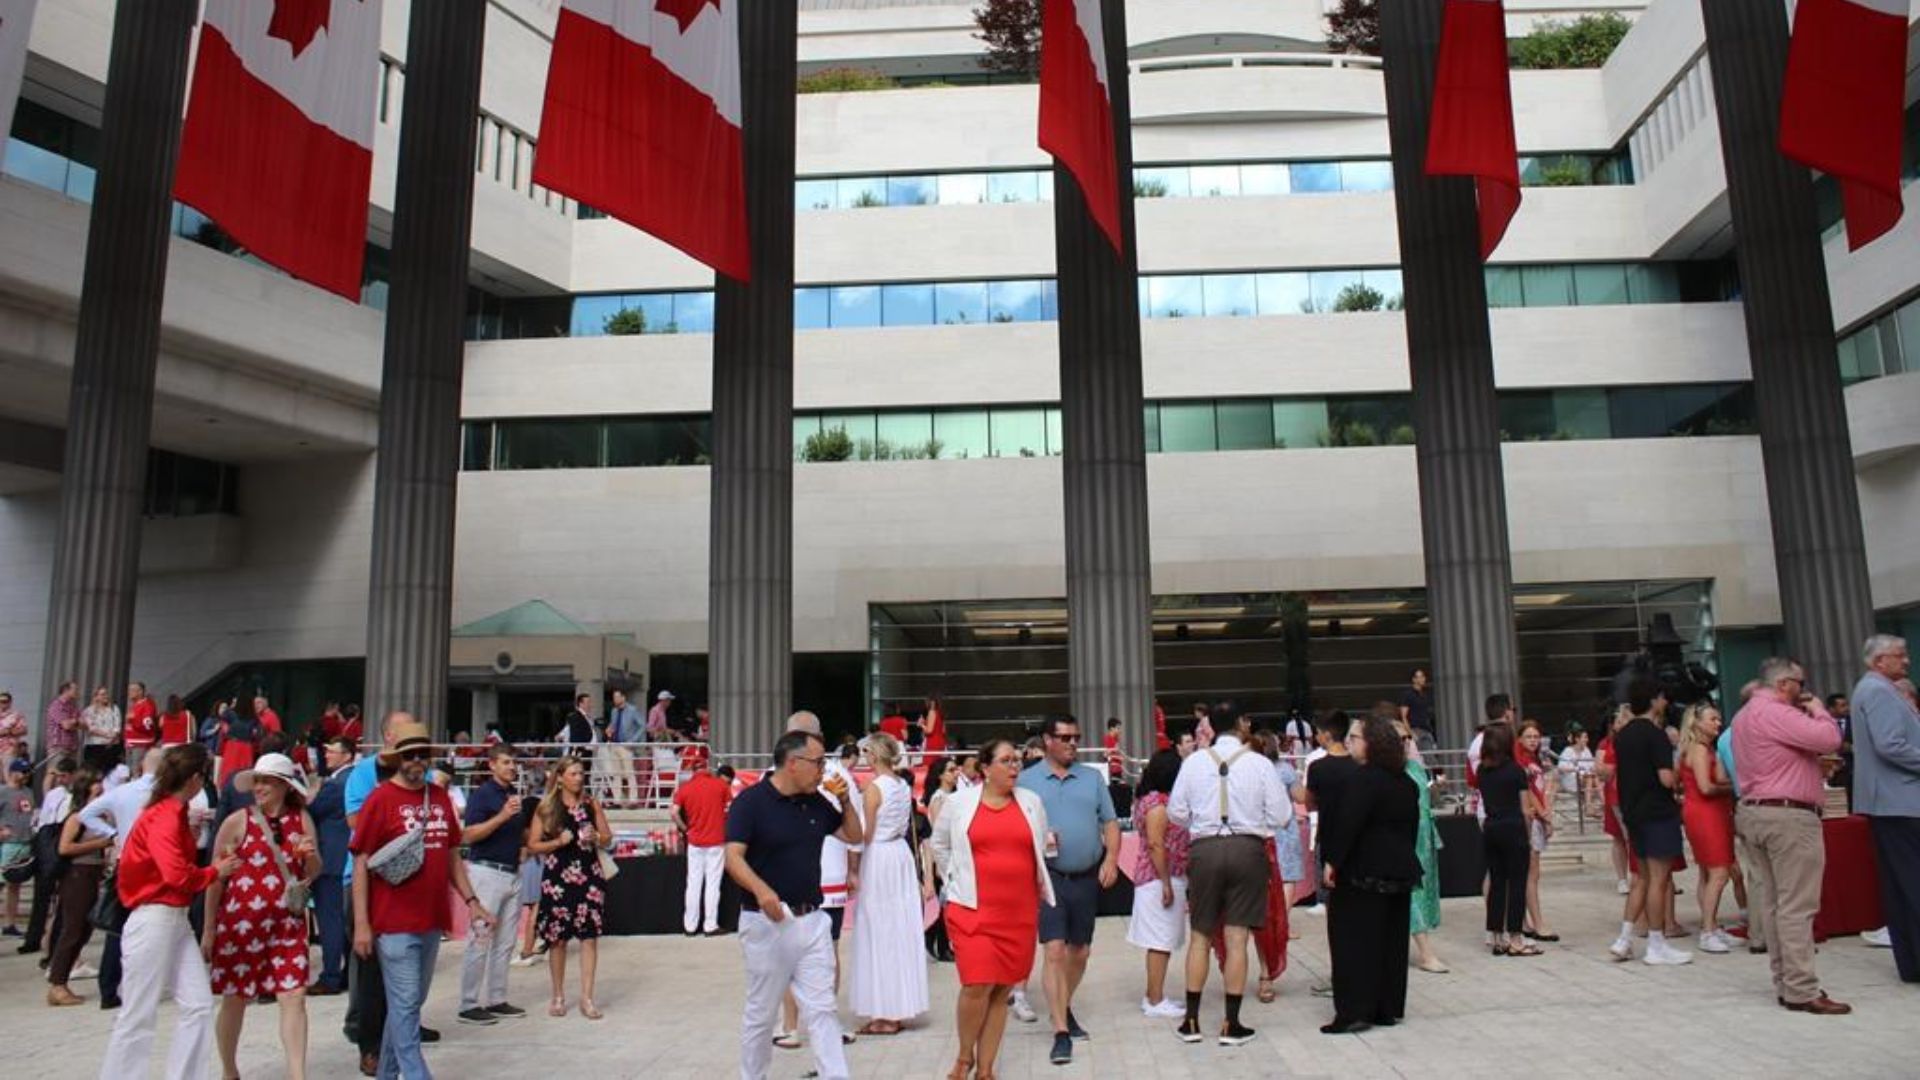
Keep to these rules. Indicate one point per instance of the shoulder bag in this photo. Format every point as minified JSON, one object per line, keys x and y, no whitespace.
{"x":601,"y":856}
{"x":401,"y":857}
{"x":108,"y":914}
{"x":293,"y":894}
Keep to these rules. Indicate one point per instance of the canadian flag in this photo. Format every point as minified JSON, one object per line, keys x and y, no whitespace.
{"x":1076,"y":111}
{"x":278,"y":143}
{"x":16,"y":27}
{"x":1842,"y":108}
{"x":642,"y":120}
{"x":1471,"y":131}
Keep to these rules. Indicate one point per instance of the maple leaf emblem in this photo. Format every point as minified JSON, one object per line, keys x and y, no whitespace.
{"x":298,"y":22}
{"x":684,"y":12}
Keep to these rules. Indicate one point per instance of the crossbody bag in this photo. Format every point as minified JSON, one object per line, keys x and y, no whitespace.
{"x":294,"y":894}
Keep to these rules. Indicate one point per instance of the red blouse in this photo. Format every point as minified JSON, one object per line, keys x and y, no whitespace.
{"x":158,"y":866}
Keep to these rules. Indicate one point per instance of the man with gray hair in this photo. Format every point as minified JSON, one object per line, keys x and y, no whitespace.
{"x":1886,"y":788}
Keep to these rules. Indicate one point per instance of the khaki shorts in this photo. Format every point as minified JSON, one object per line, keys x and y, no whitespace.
{"x":1227,"y":883}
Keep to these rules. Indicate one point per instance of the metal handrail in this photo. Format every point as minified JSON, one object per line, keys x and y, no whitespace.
{"x":1335,"y":61}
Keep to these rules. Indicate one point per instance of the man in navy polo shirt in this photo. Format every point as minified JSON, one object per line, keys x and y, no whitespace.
{"x":1083,"y":855}
{"x":494,"y":830}
{"x":774,"y":833}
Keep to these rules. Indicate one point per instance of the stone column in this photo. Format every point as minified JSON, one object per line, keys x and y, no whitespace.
{"x":750,"y":581}
{"x":1104,"y":464}
{"x":417,"y":469}
{"x":1456,"y":418}
{"x":1819,"y":552}
{"x":96,"y":550}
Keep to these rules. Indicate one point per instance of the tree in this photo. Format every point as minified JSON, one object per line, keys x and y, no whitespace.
{"x":1585,"y":42}
{"x":1011,"y":29}
{"x":625,"y":321}
{"x":1358,"y":297}
{"x":1354,"y":27}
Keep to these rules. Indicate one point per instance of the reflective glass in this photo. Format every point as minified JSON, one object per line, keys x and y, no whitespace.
{"x":1315,"y":177}
{"x":960,"y":303}
{"x":1013,"y":187}
{"x":859,"y":426}
{"x":804,"y":427}
{"x":856,"y":305}
{"x":859,"y":192}
{"x":962,"y":434}
{"x":1388,"y":283}
{"x":1366,"y":176}
{"x":1230,"y":294}
{"x":1169,"y":182}
{"x":476,"y":446}
{"x":1187,"y":427}
{"x":1547,"y":286}
{"x":1526,"y":416}
{"x":1636,"y":412}
{"x":1175,"y":296}
{"x":810,"y":308}
{"x":1299,"y":425}
{"x":1016,"y":301}
{"x":1285,"y":293}
{"x":1907,"y":321}
{"x":1653,"y":283}
{"x":1245,"y":425}
{"x":657,"y":441}
{"x":1151,"y":418}
{"x":656,"y":309}
{"x":36,"y":166}
{"x":1866,"y":345}
{"x":1503,"y":287}
{"x":590,"y":314}
{"x":813,"y":194}
{"x":959,"y":188}
{"x":1600,"y":283}
{"x":80,"y":182}
{"x":1849,"y":351}
{"x":904,"y":436}
{"x":912,"y":191}
{"x":1215,"y":180}
{"x":1056,"y":434}
{"x":906,"y":305}
{"x":548,"y":444}
{"x":1331,"y":290}
{"x":1580,"y":414}
{"x":1043,"y":183}
{"x":1265,"y":180}
{"x":1019,"y":432}
{"x":692,"y":313}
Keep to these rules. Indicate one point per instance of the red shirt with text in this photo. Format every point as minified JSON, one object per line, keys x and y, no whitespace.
{"x":419,"y":904}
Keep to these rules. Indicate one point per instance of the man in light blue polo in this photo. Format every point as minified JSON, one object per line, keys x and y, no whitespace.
{"x":1083,"y":852}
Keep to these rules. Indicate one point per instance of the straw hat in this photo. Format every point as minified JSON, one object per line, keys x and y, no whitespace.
{"x":406,"y":736}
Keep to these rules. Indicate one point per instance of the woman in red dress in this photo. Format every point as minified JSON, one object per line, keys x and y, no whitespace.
{"x":989,"y":845}
{"x":1707,"y":814}
{"x":933,"y":726}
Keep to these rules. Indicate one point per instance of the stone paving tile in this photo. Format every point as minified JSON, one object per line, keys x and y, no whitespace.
{"x":672,"y":1009}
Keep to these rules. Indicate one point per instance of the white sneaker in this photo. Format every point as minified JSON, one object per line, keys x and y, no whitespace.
{"x":1713,"y":941}
{"x":1666,"y":956}
{"x":1621,"y":950}
{"x":1024,"y":1013}
{"x":528,"y":960}
{"x":1622,"y":887}
{"x":88,"y":971}
{"x":1879,"y":939}
{"x":1168,"y":1009}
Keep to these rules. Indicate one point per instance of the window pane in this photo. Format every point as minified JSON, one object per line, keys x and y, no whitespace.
{"x":1187,"y":427}
{"x":904,"y":436}
{"x":1299,"y":425}
{"x":1653,"y":283}
{"x":912,"y":191}
{"x":1230,"y":294}
{"x":1169,"y":182}
{"x":1389,"y":285}
{"x":906,"y":305}
{"x":1636,"y":413}
{"x":1043,"y":183}
{"x":1056,"y":433}
{"x":1265,"y":180}
{"x":1907,"y":320}
{"x":1150,"y":417}
{"x":549,"y":444}
{"x":1019,"y":432}
{"x":43,"y":168}
{"x":693,"y":312}
{"x":1600,"y":283}
{"x":657,"y":441}
{"x":962,"y":434}
{"x":957,"y":188}
{"x":810,"y":309}
{"x":1849,"y":351}
{"x":1866,"y":344}
{"x":1526,"y":416}
{"x":590,"y":314}
{"x":1315,"y":177}
{"x":1285,"y":294}
{"x":1215,"y":180}
{"x":859,"y":192}
{"x":1889,"y":345}
{"x":960,"y":302}
{"x":804,"y":427}
{"x":1175,"y":296}
{"x":1328,"y":287}
{"x":1547,"y":286}
{"x":1013,"y":187}
{"x":1503,"y":287}
{"x":1246,"y":425}
{"x":860,"y":427}
{"x":1370,"y":421}
{"x":1016,"y":301}
{"x":813,"y":194}
{"x":1366,"y":176}
{"x":855,"y":305}
{"x":476,"y":445}
{"x":1580,"y":414}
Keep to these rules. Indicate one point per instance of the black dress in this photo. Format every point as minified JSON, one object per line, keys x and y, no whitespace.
{"x":573,"y":895}
{"x":1376,"y":869}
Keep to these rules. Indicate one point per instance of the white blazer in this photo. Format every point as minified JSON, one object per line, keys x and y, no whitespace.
{"x":953,"y":852}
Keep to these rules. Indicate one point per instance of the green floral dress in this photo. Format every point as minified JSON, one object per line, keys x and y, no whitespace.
{"x":1426,"y":843}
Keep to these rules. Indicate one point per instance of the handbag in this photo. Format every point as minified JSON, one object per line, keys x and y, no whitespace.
{"x":108,"y":914}
{"x":293,"y":896}
{"x":608,"y":868}
{"x":402,"y":857}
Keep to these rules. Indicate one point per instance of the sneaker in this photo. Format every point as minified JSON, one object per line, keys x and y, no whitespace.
{"x":1879,"y":939}
{"x":1713,"y":941}
{"x":1667,"y":956}
{"x":1621,"y":950}
{"x":504,"y":1011}
{"x":1167,"y":1009}
{"x":1188,"y":1031}
{"x":1622,"y":887}
{"x":1062,"y":1048}
{"x":11,"y":931}
{"x":1074,"y":1029}
{"x":526,"y":960}
{"x":1235,"y":1035}
{"x":84,"y":971}
{"x":1022,"y":1011}
{"x":477,"y":1015}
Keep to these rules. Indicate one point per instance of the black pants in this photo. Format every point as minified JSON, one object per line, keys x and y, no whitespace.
{"x":366,"y":998}
{"x":1367,"y":938}
{"x":46,"y":882}
{"x":100,"y":758}
{"x":1505,"y":844}
{"x":110,"y":967}
{"x":1897,"y":841}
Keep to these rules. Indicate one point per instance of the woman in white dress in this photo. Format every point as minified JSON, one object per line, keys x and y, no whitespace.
{"x":889,"y":978}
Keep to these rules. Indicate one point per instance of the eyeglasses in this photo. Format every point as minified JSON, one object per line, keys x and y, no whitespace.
{"x":818,"y":761}
{"x":1008,"y":760}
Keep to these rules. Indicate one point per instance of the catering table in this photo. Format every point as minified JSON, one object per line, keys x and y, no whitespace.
{"x":1463,"y":863}
{"x":1850,"y":888}
{"x":648,"y":897}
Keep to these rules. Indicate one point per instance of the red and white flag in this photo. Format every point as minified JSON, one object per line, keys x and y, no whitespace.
{"x":278,"y":143}
{"x":642,"y":120}
{"x":1471,"y":131}
{"x":16,"y":28}
{"x":1842,"y":108}
{"x":1076,"y":111}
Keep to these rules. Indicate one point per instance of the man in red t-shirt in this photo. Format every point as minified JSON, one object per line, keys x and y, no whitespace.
{"x":896,"y":726}
{"x":403,"y":922}
{"x":700,"y":810}
{"x":142,"y":728}
{"x":269,"y":720}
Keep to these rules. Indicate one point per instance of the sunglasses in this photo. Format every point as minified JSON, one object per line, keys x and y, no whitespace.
{"x":1074,"y":738}
{"x":416,"y":755}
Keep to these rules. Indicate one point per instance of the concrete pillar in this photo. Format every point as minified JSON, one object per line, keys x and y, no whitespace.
{"x":1104,"y":461}
{"x":417,"y":469}
{"x":750,"y":581}
{"x":96,"y":550}
{"x":1826,"y":598}
{"x":1456,"y":418}
{"x":486,"y":712}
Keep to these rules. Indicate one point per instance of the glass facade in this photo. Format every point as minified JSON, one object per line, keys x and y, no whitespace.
{"x":1888,"y":345}
{"x":179,"y":485}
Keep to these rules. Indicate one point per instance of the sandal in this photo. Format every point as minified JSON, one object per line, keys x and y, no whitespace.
{"x":962,"y":1069}
{"x":1266,"y":992}
{"x":558,"y":1007}
{"x":787,"y":1040}
{"x":1524,"y":950}
{"x":879,"y":1027}
{"x":589,"y":1010}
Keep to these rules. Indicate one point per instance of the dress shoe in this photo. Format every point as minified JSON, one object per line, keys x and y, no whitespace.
{"x":369,"y":1064}
{"x":323,"y":990}
{"x":429,"y":1035}
{"x":1820,"y":1006}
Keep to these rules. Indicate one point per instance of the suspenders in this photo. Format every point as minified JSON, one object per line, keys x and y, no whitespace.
{"x":1224,"y":767}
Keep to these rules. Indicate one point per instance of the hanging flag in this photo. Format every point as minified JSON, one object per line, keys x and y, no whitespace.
{"x":278,"y":143}
{"x":16,"y":27}
{"x":642,"y":120}
{"x":1471,"y":133}
{"x":1076,"y":110}
{"x":1842,"y":110}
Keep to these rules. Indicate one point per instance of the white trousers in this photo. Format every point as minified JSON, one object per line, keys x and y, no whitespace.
{"x":703,"y":873}
{"x":797,"y":953}
{"x":483,"y":969}
{"x":159,"y":955}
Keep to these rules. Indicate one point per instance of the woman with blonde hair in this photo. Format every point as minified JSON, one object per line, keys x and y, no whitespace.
{"x":1707,"y":813}
{"x":567,"y":836}
{"x":888,"y":979}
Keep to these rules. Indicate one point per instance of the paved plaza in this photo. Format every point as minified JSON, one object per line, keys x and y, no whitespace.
{"x":673,"y":1004}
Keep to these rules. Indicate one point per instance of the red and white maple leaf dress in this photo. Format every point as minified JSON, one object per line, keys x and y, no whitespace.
{"x":258,"y":946}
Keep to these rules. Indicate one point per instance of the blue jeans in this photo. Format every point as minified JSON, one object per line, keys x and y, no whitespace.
{"x":406,"y":964}
{"x":329,"y":910}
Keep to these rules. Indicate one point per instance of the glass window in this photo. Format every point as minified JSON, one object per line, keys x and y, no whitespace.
{"x":860,"y":192}
{"x":960,"y":188}
{"x":1017,"y":301}
{"x":1636,"y":412}
{"x":1299,"y":425}
{"x":855,"y":305}
{"x":1370,"y":421}
{"x":1547,"y":286}
{"x":1889,"y":345}
{"x":1907,"y":322}
{"x":813,"y":194}
{"x":590,"y":314}
{"x":656,"y":441}
{"x":962,"y":433}
{"x":1013,"y":187}
{"x":1580,"y":414}
{"x":1330,"y":290}
{"x":1230,"y":294}
{"x":1526,"y":416}
{"x":692,"y":313}
{"x":804,"y":427}
{"x":1187,"y":427}
{"x":1866,"y":346}
{"x":810,"y":308}
{"x":1285,"y":294}
{"x":1175,"y":296}
{"x":960,"y":303}
{"x":476,"y":446}
{"x":1169,"y":182}
{"x":1600,"y":283}
{"x":861,"y":427}
{"x":906,"y":305}
{"x":548,"y":444}
{"x":1366,"y":176}
{"x":1151,"y":418}
{"x":1265,"y":180}
{"x":1245,"y":425}
{"x":1043,"y":183}
{"x":904,"y":436}
{"x":1653,"y":283}
{"x":912,"y":191}
{"x":1389,"y":284}
{"x":1503,"y":287}
{"x":1019,"y":432}
{"x":1214,"y":180}
{"x":1056,"y":433}
{"x":1315,"y":177}
{"x":37,"y":166}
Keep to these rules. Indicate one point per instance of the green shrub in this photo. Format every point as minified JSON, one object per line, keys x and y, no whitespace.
{"x":833,"y":444}
{"x":625,"y":322}
{"x":841,"y":80}
{"x":1359,"y":297}
{"x":1585,"y":42}
{"x":1149,"y":189}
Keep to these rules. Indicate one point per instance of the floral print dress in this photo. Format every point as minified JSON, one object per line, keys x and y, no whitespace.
{"x":573,"y":895}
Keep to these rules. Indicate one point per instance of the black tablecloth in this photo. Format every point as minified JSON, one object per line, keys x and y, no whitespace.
{"x":1463,"y":863}
{"x":648,"y":897}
